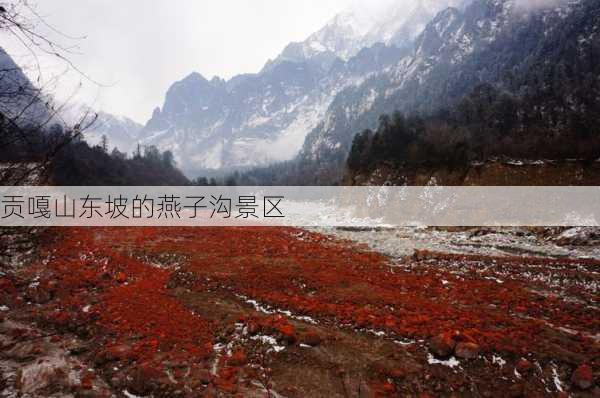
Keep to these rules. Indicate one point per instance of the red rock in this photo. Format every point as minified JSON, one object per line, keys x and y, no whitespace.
{"x":87,"y":380}
{"x":389,"y":387}
{"x":442,"y":345}
{"x":467,"y":350}
{"x":287,"y":334}
{"x":121,"y":277}
{"x":120,"y":351}
{"x":583,"y":377}
{"x":523,"y":366}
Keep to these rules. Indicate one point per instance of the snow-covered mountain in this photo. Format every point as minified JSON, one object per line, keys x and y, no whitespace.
{"x":257,"y":119}
{"x":120,"y":131}
{"x":499,"y":42}
{"x":363,"y":25}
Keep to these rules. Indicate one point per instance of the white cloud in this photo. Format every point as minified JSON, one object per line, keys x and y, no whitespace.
{"x":140,"y":47}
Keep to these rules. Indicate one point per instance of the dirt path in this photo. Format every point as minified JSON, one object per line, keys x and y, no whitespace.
{"x":286,"y":312}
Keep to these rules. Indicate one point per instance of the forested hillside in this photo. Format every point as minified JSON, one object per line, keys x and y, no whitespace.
{"x":492,"y":80}
{"x":64,"y":158}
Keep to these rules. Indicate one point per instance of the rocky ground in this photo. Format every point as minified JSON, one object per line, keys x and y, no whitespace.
{"x":282,"y":312}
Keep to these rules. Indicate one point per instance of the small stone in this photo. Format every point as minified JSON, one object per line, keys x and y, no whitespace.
{"x":78,"y":350}
{"x":442,"y":345}
{"x":523,"y":366}
{"x":419,"y":255}
{"x":205,"y":377}
{"x":312,"y":339}
{"x":467,"y":350}
{"x":114,"y":353}
{"x":253,"y":328}
{"x":287,"y":334}
{"x":583,"y":377}
{"x":120,"y":351}
{"x":287,"y":338}
{"x":121,"y":277}
{"x":87,"y":381}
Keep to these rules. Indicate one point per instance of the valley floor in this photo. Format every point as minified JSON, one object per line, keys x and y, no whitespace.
{"x":282,"y":312}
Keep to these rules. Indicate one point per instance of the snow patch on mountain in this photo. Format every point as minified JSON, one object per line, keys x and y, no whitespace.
{"x":254,"y":120}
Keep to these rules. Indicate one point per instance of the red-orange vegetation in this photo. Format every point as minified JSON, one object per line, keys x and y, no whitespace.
{"x":338,"y":283}
{"x":308,"y":274}
{"x":132,"y":305}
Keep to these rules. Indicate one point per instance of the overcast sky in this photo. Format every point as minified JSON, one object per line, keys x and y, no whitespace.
{"x":140,"y":47}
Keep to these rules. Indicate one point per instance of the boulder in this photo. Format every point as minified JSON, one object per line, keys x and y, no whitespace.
{"x":442,"y":345}
{"x":287,"y":334}
{"x":523,"y":366}
{"x":312,"y":339}
{"x":121,"y":277}
{"x":467,"y":350}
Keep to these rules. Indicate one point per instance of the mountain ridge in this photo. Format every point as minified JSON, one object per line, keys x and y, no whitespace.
{"x":522,"y":54}
{"x":263,"y":118}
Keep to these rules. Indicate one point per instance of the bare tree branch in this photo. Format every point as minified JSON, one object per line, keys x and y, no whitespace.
{"x":25,"y":111}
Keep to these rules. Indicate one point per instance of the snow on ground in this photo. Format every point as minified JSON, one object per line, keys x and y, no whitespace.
{"x":451,"y":363}
{"x":402,"y":242}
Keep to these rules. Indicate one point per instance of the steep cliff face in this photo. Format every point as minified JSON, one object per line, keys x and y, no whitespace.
{"x":252,"y":120}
